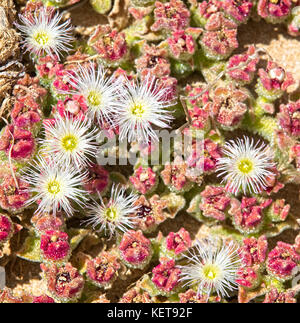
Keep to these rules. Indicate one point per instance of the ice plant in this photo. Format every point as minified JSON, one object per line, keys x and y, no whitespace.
{"x":43,"y":299}
{"x":204,"y":10}
{"x":253,"y":252}
{"x":245,"y":165}
{"x":18,"y":143}
{"x":142,"y":107}
{"x":219,"y":38}
{"x":54,"y":187}
{"x":150,"y":212}
{"x":273,"y":81}
{"x":239,"y":11}
{"x":168,"y":84}
{"x":136,"y":295}
{"x":153,"y":62}
{"x":177,"y":243}
{"x":166,"y":276}
{"x":229,"y":106}
{"x":273,"y":181}
{"x":102,"y":271}
{"x":45,"y":34}
{"x":135,"y":249}
{"x":55,"y":246}
{"x":72,"y":107}
{"x":61,"y":85}
{"x":115,"y":214}
{"x":278,"y":210}
{"x":64,"y":283}
{"x":242,"y":66}
{"x":199,"y":108}
{"x":6,"y":228}
{"x":100,"y":91}
{"x":6,"y":296}
{"x":274,"y":11}
{"x":170,"y":16}
{"x":213,"y":202}
{"x":190,"y":296}
{"x":70,"y":141}
{"x":98,"y":179}
{"x":248,"y":215}
{"x":248,"y":277}
{"x":295,"y":154}
{"x":109,"y":44}
{"x":178,"y":177}
{"x":211,"y":268}
{"x":30,"y":87}
{"x":274,"y":296}
{"x":144,"y":180}
{"x":46,"y":68}
{"x":13,"y":194}
{"x":204,"y":155}
{"x":294,"y":23}
{"x":289,"y":118}
{"x":26,"y":113}
{"x":47,"y":221}
{"x":282,"y":260}
{"x":181,"y":45}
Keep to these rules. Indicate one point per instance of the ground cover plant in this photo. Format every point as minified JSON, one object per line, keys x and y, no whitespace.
{"x":149,"y":151}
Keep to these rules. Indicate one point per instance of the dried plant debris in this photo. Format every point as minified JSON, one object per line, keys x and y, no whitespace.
{"x":10,"y":67}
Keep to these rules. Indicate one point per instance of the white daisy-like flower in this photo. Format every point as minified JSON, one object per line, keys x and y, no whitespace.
{"x":54,"y":187}
{"x":246,"y":165}
{"x":116,"y":214}
{"x":44,"y":34}
{"x":100,"y":92}
{"x":70,"y":141}
{"x":141,"y":107}
{"x":211,"y":268}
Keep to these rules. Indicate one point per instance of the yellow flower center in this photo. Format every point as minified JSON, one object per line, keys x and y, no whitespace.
{"x":210,"y":271}
{"x":245,"y":166}
{"x":111,"y":214}
{"x":69,"y":142}
{"x":41,"y":37}
{"x":54,"y":238}
{"x":53,"y":187}
{"x":94,"y":98}
{"x":138,"y":110}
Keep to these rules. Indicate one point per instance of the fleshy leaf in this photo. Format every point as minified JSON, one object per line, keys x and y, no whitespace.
{"x":101,"y":6}
{"x":147,"y":285}
{"x":275,"y":229}
{"x":245,"y":296}
{"x":31,"y":249}
{"x":175,"y":203}
{"x":76,"y":236}
{"x":117,"y":178}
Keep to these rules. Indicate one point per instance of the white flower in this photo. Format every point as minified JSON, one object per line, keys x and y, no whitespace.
{"x":116,"y":214}
{"x":246,"y":165}
{"x":54,"y":186}
{"x":44,"y":34}
{"x":211,"y":268}
{"x":70,"y":141}
{"x":141,"y":107}
{"x":100,"y":92}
